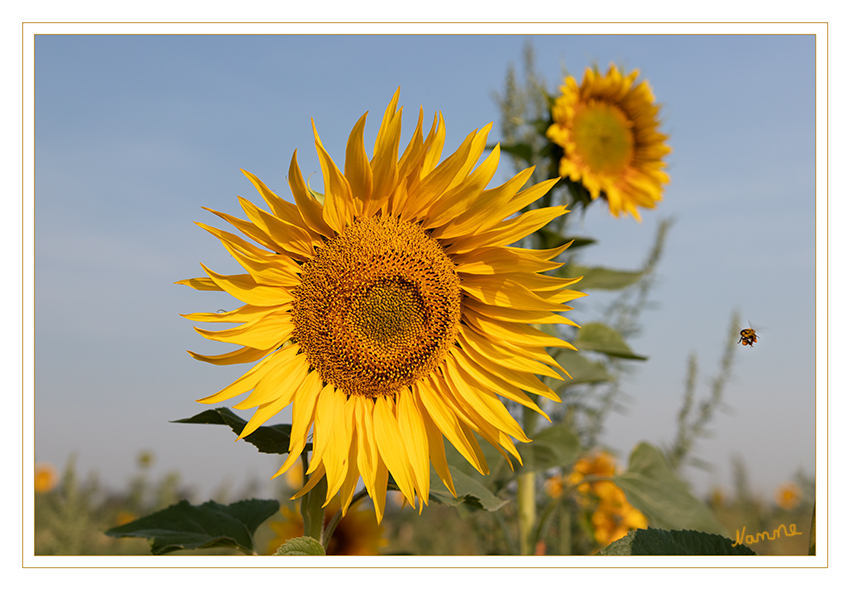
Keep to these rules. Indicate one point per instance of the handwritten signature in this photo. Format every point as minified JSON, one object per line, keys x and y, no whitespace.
{"x":741,"y":536}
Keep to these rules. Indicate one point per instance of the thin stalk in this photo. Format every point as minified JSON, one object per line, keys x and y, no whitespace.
{"x":312,"y":512}
{"x":525,"y":495}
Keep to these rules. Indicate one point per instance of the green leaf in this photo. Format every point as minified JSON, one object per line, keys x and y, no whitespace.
{"x":520,"y":150}
{"x":472,"y":491}
{"x":580,"y":369}
{"x":268,"y":439}
{"x":599,"y":277}
{"x":551,"y":239}
{"x":601,"y":338}
{"x":184,"y":526}
{"x":301,"y":546}
{"x":541,"y":125}
{"x":652,"y":487}
{"x":659,"y":542}
{"x":556,"y":446}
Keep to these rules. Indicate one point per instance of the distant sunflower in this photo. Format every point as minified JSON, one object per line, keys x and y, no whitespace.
{"x":356,"y":534}
{"x":788,"y":496}
{"x":45,"y":477}
{"x":389,"y":311}
{"x":613,"y":516}
{"x":608,"y":128}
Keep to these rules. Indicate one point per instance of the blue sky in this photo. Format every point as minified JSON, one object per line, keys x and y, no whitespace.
{"x":135,"y":134}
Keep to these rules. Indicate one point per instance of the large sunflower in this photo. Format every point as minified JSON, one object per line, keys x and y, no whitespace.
{"x":390,"y":312}
{"x":608,"y":128}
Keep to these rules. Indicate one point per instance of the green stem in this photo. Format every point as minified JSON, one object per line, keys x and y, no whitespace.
{"x":329,"y":530}
{"x":525,"y":495}
{"x":812,"y":533}
{"x":565,"y":530}
{"x":312,"y":512}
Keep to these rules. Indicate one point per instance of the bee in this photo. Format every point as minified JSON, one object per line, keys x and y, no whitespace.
{"x":748,"y":337}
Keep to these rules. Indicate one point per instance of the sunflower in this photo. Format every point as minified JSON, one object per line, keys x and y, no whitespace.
{"x":45,"y":477}
{"x":608,"y":129}
{"x":390,"y":311}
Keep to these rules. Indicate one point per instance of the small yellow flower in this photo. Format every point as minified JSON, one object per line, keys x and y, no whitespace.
{"x":598,"y":463}
{"x":788,"y":496}
{"x":613,"y":517}
{"x":356,"y":534}
{"x":45,"y":477}
{"x":554,"y":486}
{"x":608,"y":128}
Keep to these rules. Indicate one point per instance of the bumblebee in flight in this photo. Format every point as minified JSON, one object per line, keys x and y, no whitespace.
{"x":748,"y":337}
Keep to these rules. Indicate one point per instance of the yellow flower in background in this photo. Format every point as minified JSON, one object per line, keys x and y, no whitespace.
{"x":597,"y":463}
{"x":613,"y":517}
{"x":46,"y":477}
{"x":608,"y":128}
{"x":554,"y":486}
{"x":788,"y":496}
{"x":390,"y":311}
{"x":356,"y":534}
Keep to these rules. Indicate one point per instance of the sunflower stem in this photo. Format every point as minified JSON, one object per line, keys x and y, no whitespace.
{"x":525,"y":495}
{"x":312,"y":511}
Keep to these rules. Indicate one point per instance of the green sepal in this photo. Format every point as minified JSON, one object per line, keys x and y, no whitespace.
{"x":661,"y":542}
{"x":273,"y":440}
{"x":184,"y":526}
{"x":301,"y":546}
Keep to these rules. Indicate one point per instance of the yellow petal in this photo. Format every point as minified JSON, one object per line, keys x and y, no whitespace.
{"x":435,"y":444}
{"x":310,"y":208}
{"x":413,"y":432}
{"x":521,"y":316}
{"x":279,"y":384}
{"x":470,"y":340}
{"x":246,"y":289}
{"x":392,"y":447}
{"x":514,"y":333}
{"x":292,"y":239}
{"x":250,"y":379}
{"x":508,"y":232}
{"x":357,"y":168}
{"x":266,"y":332}
{"x":240,"y":355}
{"x":491,"y":410}
{"x":304,"y":407}
{"x":458,"y":200}
{"x":338,"y":201}
{"x":446,"y":420}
